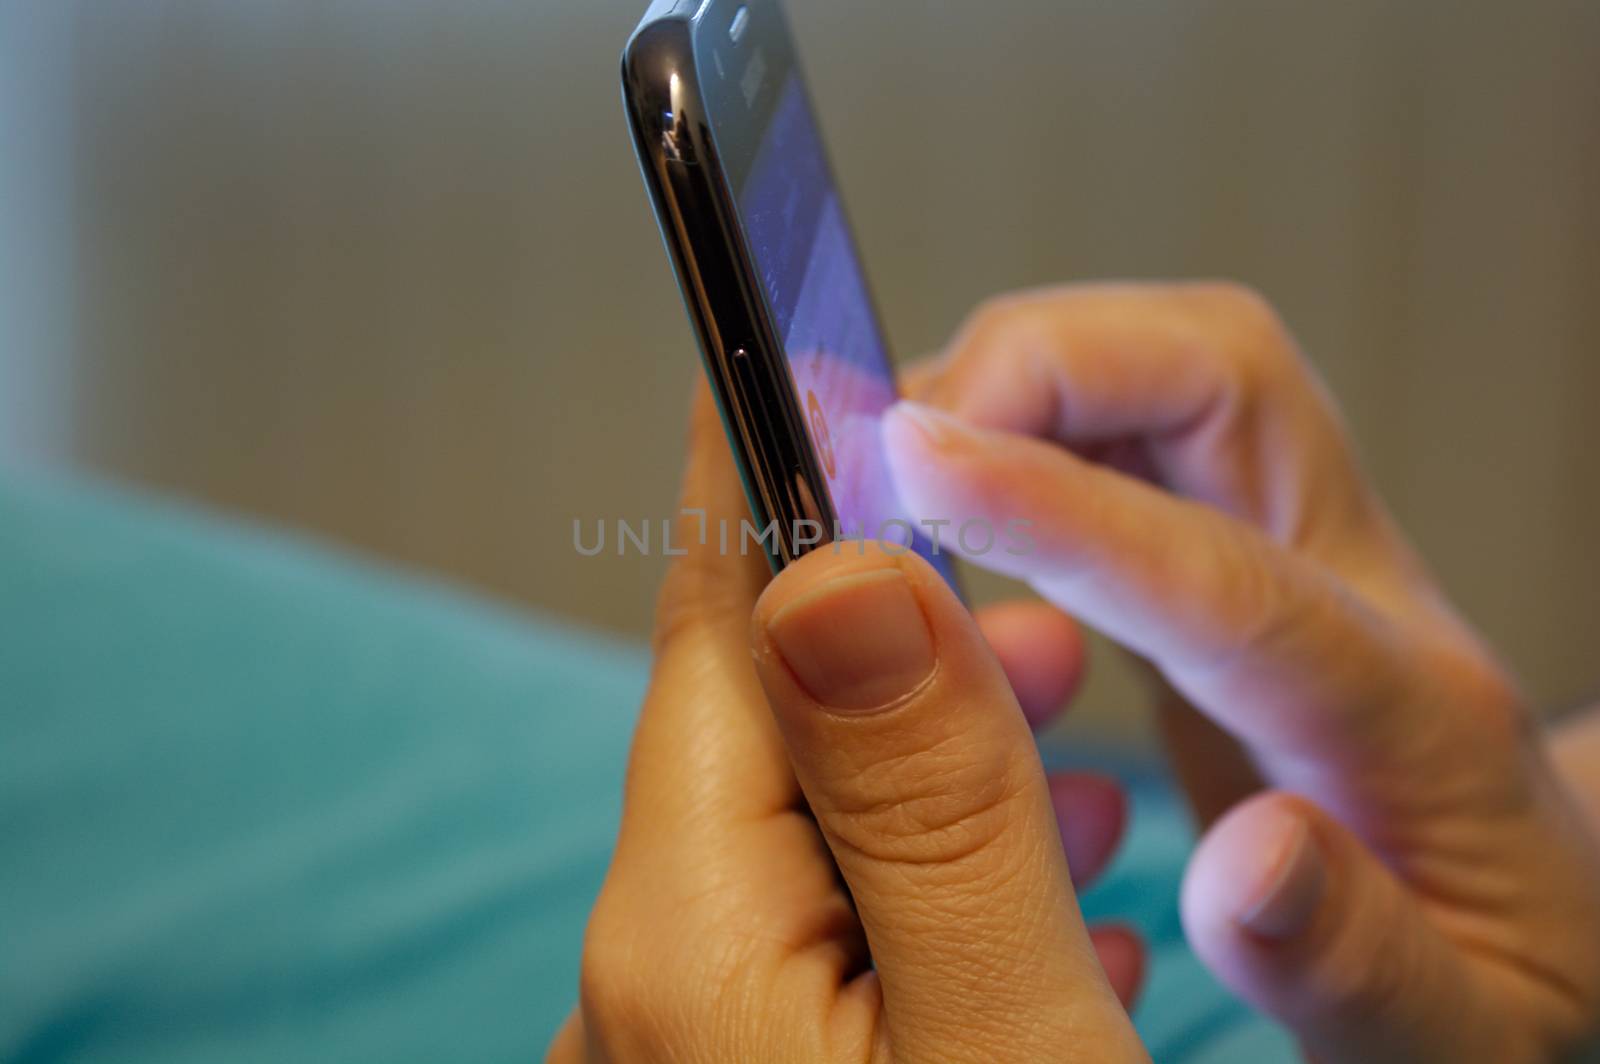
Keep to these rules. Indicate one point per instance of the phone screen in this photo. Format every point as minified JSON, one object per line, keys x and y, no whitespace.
{"x":814,"y":284}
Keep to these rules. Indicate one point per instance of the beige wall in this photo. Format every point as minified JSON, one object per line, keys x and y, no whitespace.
{"x":36,"y":233}
{"x":384,"y":270}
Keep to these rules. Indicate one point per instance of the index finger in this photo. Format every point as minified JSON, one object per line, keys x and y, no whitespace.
{"x":718,"y":872}
{"x":1266,"y":641}
{"x":705,"y":739}
{"x":1202,"y":377}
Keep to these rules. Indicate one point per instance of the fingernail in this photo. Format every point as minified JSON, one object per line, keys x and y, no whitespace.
{"x":1286,"y":901}
{"x":939,"y":427}
{"x":858,"y":642}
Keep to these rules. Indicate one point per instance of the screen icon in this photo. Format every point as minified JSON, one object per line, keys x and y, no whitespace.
{"x":820,"y":437}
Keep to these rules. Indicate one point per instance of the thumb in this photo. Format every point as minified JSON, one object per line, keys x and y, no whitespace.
{"x":1296,"y":916}
{"x":922,"y":774}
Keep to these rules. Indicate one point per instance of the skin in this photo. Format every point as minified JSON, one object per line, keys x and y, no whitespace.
{"x":1575,"y":748}
{"x":1391,"y":865}
{"x":1352,"y":743}
{"x":723,"y":932}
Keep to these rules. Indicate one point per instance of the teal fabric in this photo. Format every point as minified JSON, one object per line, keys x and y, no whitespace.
{"x":260,"y":801}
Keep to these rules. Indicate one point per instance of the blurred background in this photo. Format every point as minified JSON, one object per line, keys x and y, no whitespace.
{"x":384,"y":270}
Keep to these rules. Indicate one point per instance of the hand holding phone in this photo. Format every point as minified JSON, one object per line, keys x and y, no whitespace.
{"x":727,"y":934}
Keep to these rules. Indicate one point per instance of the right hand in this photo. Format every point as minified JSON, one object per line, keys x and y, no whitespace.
{"x":1395,"y":872}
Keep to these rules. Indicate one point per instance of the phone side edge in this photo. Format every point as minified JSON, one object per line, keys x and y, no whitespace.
{"x":741,"y":354}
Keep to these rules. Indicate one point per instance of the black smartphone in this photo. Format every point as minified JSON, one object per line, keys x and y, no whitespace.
{"x":754,"y":226}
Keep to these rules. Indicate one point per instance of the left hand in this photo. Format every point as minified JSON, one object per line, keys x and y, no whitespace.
{"x":874,"y":703}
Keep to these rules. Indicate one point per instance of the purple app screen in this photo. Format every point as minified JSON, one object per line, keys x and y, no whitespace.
{"x":818,"y":295}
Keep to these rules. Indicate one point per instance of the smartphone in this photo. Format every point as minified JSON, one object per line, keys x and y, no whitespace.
{"x":753,"y":223}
